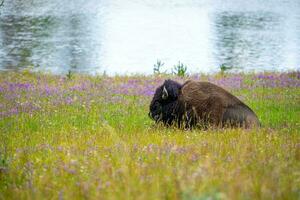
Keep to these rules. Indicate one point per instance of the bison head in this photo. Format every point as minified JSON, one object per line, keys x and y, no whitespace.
{"x":163,"y":104}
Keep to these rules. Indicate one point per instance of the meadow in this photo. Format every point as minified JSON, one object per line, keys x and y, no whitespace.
{"x":90,"y":137}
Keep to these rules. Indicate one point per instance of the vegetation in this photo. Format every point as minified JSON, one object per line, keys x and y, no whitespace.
{"x":157,"y":67}
{"x":180,"y":69}
{"x":224,"y":68}
{"x":90,"y":137}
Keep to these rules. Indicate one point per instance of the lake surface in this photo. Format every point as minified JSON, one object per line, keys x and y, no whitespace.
{"x":123,"y":36}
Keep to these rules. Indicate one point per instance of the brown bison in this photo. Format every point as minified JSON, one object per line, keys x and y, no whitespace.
{"x":199,"y":104}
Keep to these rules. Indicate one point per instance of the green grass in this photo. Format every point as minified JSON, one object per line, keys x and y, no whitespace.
{"x":104,"y":146}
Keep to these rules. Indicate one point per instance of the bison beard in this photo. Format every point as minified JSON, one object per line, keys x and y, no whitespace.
{"x":199,"y":104}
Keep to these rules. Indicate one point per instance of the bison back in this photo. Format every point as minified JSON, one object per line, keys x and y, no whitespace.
{"x":197,"y":92}
{"x":216,"y":105}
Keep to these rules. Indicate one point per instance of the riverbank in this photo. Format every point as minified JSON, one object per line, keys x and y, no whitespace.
{"x":81,"y":136}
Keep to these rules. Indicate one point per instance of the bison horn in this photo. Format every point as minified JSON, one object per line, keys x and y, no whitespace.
{"x":165,"y":93}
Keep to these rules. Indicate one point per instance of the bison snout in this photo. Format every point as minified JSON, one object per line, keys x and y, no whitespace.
{"x":150,"y":115}
{"x":155,"y":117}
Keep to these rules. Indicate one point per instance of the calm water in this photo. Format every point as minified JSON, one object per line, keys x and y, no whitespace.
{"x":122,"y":36}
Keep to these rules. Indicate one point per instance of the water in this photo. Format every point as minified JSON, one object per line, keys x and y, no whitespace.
{"x":122,"y":36}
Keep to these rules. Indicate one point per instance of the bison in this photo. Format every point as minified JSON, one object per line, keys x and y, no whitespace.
{"x":199,"y":104}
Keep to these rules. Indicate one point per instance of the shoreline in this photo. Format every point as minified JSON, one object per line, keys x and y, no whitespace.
{"x":214,"y":73}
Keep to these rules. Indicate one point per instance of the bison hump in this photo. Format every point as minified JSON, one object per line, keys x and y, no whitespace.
{"x":192,"y":93}
{"x":201,"y":91}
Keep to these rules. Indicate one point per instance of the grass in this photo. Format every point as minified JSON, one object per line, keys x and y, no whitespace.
{"x":90,"y":138}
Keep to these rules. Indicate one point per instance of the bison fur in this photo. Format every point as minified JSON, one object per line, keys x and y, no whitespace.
{"x":199,"y":104}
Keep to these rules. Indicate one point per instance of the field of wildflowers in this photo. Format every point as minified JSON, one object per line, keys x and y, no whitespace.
{"x":89,"y":137}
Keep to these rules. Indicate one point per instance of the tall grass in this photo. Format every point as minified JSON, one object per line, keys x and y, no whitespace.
{"x":90,"y":138}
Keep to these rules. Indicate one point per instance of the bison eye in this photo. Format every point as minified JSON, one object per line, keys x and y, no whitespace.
{"x":157,"y":106}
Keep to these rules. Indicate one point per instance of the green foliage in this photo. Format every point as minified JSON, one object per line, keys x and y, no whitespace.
{"x":224,"y":68}
{"x":3,"y":162}
{"x":3,"y":167}
{"x":69,"y":75}
{"x":157,"y":67}
{"x":102,"y":145}
{"x":187,"y":195}
{"x":180,"y":69}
